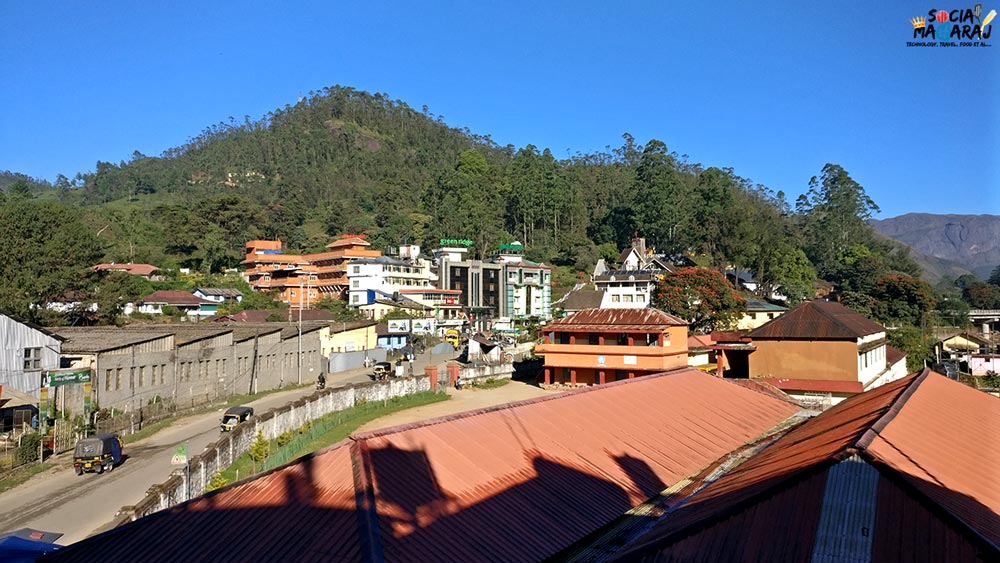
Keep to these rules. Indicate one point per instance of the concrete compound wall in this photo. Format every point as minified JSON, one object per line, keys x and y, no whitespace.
{"x":288,"y":418}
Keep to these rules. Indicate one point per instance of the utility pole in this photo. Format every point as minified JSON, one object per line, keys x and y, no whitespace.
{"x":253,"y":364}
{"x":298,"y":357}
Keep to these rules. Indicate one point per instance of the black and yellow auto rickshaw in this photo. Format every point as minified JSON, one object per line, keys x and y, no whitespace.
{"x":234,"y":416}
{"x":382,"y":370}
{"x":98,"y":453}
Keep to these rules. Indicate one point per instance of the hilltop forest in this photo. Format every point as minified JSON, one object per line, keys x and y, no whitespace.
{"x":347,"y":161}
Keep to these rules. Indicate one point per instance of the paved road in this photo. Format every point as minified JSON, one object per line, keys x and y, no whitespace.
{"x":77,"y":506}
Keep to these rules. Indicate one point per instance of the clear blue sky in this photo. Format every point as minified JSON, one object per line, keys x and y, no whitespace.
{"x":775,"y":91}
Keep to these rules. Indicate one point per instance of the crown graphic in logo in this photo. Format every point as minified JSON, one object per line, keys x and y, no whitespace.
{"x":918,"y":23}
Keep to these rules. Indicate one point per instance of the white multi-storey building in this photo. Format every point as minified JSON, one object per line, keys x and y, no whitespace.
{"x":368,"y":276}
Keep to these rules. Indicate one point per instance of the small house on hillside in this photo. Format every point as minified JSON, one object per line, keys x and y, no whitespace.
{"x":191,"y":305}
{"x":219,"y":294}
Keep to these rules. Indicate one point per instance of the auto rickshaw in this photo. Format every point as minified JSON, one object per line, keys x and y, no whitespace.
{"x":234,"y":416}
{"x":97,"y":453}
{"x":382,"y":370}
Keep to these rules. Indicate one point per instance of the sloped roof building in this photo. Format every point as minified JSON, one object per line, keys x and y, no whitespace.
{"x":894,"y":474}
{"x":519,"y":482}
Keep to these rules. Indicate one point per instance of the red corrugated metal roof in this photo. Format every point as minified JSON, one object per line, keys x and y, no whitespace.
{"x":813,"y":385}
{"x":819,"y":320}
{"x":303,"y":511}
{"x":518,"y":482}
{"x":924,"y":434}
{"x":647,"y":318}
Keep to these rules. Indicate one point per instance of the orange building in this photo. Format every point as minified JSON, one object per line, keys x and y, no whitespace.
{"x":597,"y":346}
{"x":300,"y":280}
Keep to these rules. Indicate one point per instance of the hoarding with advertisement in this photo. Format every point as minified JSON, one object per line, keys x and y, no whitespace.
{"x":423,"y":326}
{"x":399,"y":326}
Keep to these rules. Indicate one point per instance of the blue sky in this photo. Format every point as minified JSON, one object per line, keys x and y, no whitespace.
{"x":772,"y":90}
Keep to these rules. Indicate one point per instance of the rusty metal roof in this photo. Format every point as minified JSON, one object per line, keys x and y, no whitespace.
{"x":616,"y":318}
{"x":518,"y":482}
{"x":813,"y":385}
{"x":817,"y":320}
{"x":919,"y":443}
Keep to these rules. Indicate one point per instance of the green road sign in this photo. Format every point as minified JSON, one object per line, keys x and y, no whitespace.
{"x":69,"y":377}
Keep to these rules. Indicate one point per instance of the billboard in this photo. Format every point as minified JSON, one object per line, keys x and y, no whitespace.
{"x":399,"y":326}
{"x":423,"y":326}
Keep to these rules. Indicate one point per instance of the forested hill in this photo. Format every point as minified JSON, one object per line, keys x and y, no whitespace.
{"x":341,"y":160}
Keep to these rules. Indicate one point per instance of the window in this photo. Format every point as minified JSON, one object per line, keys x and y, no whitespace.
{"x":142,"y":376}
{"x":108,"y":375}
{"x":163,"y":371}
{"x":355,"y":284}
{"x":616,"y":298}
{"x":32,"y":358}
{"x":118,"y":379}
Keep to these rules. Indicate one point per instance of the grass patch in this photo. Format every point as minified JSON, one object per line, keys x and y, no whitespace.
{"x":22,"y":474}
{"x":490,"y":384}
{"x":148,"y":430}
{"x":320,"y":433}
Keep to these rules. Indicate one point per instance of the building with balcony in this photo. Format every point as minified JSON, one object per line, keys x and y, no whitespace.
{"x":527,"y":290}
{"x":300,"y":280}
{"x":445,"y":303}
{"x":597,"y":346}
{"x":387,"y":276}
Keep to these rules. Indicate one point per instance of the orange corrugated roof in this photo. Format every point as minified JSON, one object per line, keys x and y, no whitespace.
{"x":350,"y":241}
{"x":647,"y":318}
{"x":511,"y":483}
{"x":813,"y":385}
{"x":924,"y":435}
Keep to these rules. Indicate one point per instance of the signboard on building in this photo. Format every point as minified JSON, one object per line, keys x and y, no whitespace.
{"x":423,"y":326}
{"x":399,"y":326}
{"x":69,"y":377}
{"x":456,"y":242}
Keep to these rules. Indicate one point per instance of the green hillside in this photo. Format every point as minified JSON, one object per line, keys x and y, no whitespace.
{"x":342,"y":160}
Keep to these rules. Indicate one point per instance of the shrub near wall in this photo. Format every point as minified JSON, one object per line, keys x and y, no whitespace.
{"x":270,"y":424}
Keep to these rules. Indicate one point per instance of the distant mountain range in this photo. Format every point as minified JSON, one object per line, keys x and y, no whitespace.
{"x":947,"y":245}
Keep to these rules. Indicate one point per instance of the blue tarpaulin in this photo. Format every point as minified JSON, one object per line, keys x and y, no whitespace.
{"x":19,"y":550}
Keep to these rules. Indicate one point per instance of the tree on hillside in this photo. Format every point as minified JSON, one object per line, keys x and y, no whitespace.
{"x":716,"y":200}
{"x":902,"y":299}
{"x":665,"y":200}
{"x":702,"y":297}
{"x":994,"y":278}
{"x":469,"y":202}
{"x":834,"y":213}
{"x":47,"y":251}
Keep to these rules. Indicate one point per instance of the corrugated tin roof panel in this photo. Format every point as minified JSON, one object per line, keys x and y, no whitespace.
{"x":821,"y":320}
{"x":937,"y":439}
{"x":530,"y":479}
{"x":647,"y":318}
{"x":303,"y":511}
{"x":924,"y":435}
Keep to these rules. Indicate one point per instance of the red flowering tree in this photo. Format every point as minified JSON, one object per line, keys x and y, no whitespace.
{"x":702,"y":297}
